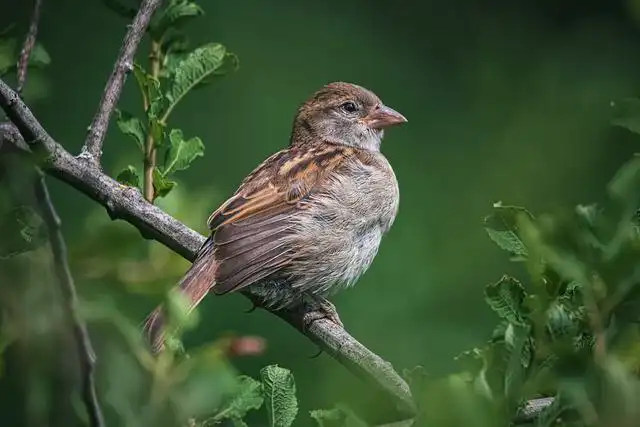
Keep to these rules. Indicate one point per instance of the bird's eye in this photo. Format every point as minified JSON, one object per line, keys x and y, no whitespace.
{"x":350,"y":107}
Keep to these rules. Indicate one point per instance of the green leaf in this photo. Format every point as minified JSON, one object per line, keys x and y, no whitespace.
{"x":175,"y":15}
{"x":560,"y":323}
{"x":181,"y":153}
{"x":502,"y":228}
{"x":150,"y":90}
{"x":279,"y":389}
{"x":519,"y":349}
{"x":161,"y":185}
{"x":627,"y":114}
{"x":132,"y":127}
{"x":506,"y":298}
{"x":248,"y":397}
{"x":129,"y":176}
{"x":22,"y":230}
{"x":193,"y":70}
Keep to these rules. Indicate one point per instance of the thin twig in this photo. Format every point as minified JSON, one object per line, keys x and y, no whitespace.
{"x":65,"y":280}
{"x":150,"y":151}
{"x":28,"y":45}
{"x":92,"y":147}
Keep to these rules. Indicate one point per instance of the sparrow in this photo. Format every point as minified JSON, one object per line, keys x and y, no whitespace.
{"x":309,"y":220}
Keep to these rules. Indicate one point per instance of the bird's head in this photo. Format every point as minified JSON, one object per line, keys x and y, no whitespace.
{"x":346,"y":114}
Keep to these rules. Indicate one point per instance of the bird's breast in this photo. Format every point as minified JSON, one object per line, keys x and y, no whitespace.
{"x":340,"y":232}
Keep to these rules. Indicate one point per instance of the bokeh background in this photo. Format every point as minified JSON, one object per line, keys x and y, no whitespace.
{"x":507,"y":101}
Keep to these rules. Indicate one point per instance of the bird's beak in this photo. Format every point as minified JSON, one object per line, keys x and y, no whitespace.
{"x":383,"y":117}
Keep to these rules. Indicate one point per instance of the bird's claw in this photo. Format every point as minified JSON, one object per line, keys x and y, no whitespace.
{"x":317,"y":308}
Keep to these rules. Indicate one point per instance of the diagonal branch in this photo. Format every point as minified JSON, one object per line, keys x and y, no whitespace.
{"x":92,"y":147}
{"x":86,"y":354}
{"x":127,"y":203}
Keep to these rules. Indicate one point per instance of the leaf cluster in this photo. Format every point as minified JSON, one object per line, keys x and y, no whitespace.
{"x":174,"y":71}
{"x":569,"y":331}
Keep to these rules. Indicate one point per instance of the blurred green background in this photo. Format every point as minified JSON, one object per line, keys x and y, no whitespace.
{"x":506,"y":100}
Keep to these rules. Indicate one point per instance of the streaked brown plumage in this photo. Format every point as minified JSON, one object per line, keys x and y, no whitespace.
{"x":307,"y":221}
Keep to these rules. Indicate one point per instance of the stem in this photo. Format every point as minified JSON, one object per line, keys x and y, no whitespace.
{"x":65,"y":280}
{"x":150,"y":146}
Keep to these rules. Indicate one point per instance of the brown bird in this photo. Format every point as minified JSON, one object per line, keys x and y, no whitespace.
{"x":309,"y":220}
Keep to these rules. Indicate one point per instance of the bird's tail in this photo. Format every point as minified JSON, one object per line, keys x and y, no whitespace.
{"x":195,"y":284}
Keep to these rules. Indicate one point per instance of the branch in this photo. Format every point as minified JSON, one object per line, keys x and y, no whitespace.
{"x":127,"y":203}
{"x":86,"y":354}
{"x":92,"y":147}
{"x":27,"y":46}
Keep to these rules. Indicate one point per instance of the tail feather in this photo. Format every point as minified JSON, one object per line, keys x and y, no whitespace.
{"x":195,"y":284}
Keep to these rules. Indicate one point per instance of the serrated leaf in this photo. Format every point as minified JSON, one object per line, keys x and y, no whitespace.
{"x":279,"y":391}
{"x":181,"y":152}
{"x":175,"y":15}
{"x":132,"y":127}
{"x":193,"y":70}
{"x":129,"y":176}
{"x":506,"y":298}
{"x":161,"y":185}
{"x":502,"y":228}
{"x":627,"y":114}
{"x":248,"y":397}
{"x":22,"y":230}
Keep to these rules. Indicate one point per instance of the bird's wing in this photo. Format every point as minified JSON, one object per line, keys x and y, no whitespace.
{"x":250,"y":229}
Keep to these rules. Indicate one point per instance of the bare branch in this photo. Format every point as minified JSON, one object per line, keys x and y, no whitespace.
{"x":92,"y":147}
{"x":27,"y":46}
{"x":86,"y":354}
{"x":127,"y":203}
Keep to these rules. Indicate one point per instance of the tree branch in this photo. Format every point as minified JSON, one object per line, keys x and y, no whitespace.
{"x":127,"y":203}
{"x":86,"y":354}
{"x":92,"y":147}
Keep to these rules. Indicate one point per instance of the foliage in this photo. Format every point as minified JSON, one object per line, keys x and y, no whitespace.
{"x":174,"y":71}
{"x":567,"y":328}
{"x":570,"y":332}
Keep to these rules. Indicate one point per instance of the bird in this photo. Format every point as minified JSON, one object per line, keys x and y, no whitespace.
{"x":308,"y":221}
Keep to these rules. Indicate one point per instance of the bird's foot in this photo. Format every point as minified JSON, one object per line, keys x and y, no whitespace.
{"x":316,"y":308}
{"x":253,"y":308}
